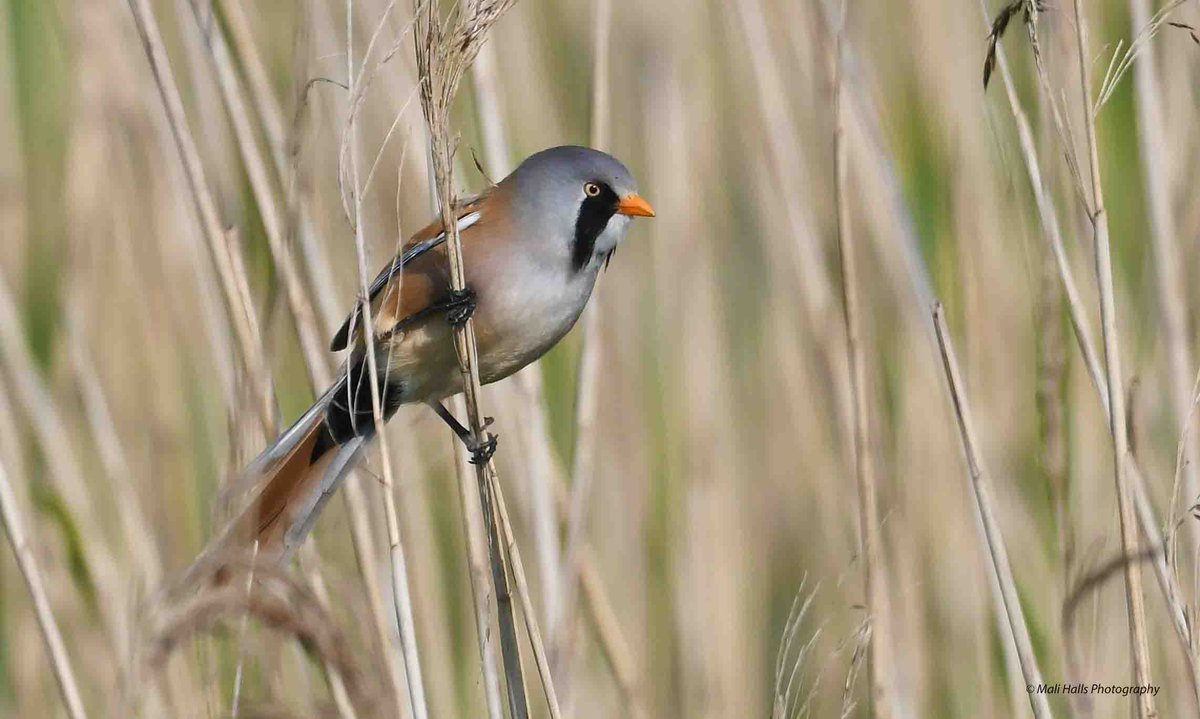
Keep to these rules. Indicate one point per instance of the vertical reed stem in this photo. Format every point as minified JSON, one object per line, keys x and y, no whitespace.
{"x":401,"y":596}
{"x":52,"y":637}
{"x":879,"y":648}
{"x":445,"y":49}
{"x":477,"y":568}
{"x":1139,"y":644}
{"x":234,"y":286}
{"x":545,"y":475}
{"x":1166,"y":578}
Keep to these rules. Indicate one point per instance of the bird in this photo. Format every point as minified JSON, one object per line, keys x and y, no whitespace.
{"x":533,"y":246}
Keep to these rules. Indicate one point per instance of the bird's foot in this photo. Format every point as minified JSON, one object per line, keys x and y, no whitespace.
{"x":482,"y":451}
{"x":460,"y":306}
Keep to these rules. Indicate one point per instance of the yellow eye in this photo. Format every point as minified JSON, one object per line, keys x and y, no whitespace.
{"x":591,"y":189}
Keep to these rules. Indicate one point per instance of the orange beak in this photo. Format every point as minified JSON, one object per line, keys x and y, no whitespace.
{"x":634,"y":206}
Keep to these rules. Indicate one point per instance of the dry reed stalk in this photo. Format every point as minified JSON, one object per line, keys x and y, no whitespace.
{"x":545,"y":475}
{"x":1166,"y":578}
{"x":66,"y":474}
{"x":270,"y":118}
{"x":295,"y":292}
{"x":445,"y":49}
{"x":1051,"y":232}
{"x":476,"y":535}
{"x":265,"y":197}
{"x":14,"y":526}
{"x":278,"y":603}
{"x":981,"y":491}
{"x":510,"y":648}
{"x":904,"y":259}
{"x":261,"y":94}
{"x":436,"y":603}
{"x":1050,"y":364}
{"x":226,"y":258}
{"x":523,"y":594}
{"x":1139,"y":644}
{"x":477,"y":568}
{"x":176,"y":262}
{"x":1172,"y":299}
{"x":401,"y":596}
{"x":588,"y":379}
{"x":879,"y":663}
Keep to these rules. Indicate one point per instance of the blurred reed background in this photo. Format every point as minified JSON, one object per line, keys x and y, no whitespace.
{"x":715,"y":474}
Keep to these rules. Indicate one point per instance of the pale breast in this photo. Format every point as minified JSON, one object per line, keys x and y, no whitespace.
{"x":519,"y":321}
{"x":521,"y":313}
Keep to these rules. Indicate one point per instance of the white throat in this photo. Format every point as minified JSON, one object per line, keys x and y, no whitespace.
{"x":608,"y":240}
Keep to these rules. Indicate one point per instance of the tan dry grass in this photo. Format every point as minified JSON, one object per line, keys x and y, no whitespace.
{"x":723,"y":470}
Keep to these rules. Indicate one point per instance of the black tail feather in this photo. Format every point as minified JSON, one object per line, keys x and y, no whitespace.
{"x":349,"y":412}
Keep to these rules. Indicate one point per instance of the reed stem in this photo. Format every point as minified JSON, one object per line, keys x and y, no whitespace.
{"x":1130,"y":542}
{"x":51,"y":636}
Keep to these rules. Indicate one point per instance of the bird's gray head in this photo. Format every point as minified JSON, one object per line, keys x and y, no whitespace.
{"x":579,"y":199}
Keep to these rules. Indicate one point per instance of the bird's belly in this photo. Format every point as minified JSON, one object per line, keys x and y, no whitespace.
{"x":515,"y":324}
{"x":518,"y":325}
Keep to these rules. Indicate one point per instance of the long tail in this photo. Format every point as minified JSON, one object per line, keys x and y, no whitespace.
{"x":295,"y":476}
{"x":298,"y":474}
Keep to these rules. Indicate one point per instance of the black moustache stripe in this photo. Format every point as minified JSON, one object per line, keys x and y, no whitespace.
{"x":594,"y":214}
